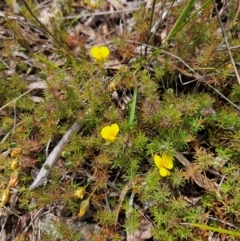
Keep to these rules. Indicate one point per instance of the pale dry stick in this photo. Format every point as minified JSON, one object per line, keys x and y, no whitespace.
{"x":10,"y":16}
{"x":54,"y":156}
{"x":3,"y":224}
{"x":223,"y":48}
{"x":5,"y":138}
{"x":101,"y":13}
{"x":35,"y":215}
{"x":237,"y":13}
{"x":221,"y":182}
{"x":227,"y":44}
{"x":15,"y":119}
{"x":20,"y":96}
{"x":218,"y":220}
{"x":47,"y":147}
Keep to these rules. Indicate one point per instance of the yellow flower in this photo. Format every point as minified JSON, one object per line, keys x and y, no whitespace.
{"x":109,"y":133}
{"x":100,"y":53}
{"x":80,"y":192}
{"x":163,"y":164}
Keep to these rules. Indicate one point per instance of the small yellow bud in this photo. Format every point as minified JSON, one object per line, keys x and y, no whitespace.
{"x":16,"y":152}
{"x":14,"y":179}
{"x":229,"y":66}
{"x":92,"y":5}
{"x":83,"y":208}
{"x":80,"y":192}
{"x":5,"y":196}
{"x":14,"y":164}
{"x":65,"y":154}
{"x":112,"y":86}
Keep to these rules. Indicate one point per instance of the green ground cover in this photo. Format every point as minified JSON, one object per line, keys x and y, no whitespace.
{"x":156,"y":114}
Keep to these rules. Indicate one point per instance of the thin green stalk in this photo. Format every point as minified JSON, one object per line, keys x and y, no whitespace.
{"x":219,"y":230}
{"x":180,"y":20}
{"x":49,"y":63}
{"x":193,"y":15}
{"x":133,"y":107}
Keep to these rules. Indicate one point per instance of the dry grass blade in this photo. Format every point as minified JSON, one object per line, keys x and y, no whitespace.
{"x":123,"y":193}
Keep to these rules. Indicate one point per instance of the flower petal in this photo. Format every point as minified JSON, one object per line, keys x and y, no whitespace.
{"x":106,"y":132}
{"x":79,"y":193}
{"x":95,"y":52}
{"x":104,"y":52}
{"x":111,"y":138}
{"x":114,"y":129}
{"x":167,"y":161}
{"x":163,"y":172}
{"x":158,"y":161}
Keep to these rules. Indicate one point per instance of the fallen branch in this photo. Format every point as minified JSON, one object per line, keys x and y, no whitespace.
{"x":53,"y":157}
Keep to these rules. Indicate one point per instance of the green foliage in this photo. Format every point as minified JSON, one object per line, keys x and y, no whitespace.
{"x":163,"y":116}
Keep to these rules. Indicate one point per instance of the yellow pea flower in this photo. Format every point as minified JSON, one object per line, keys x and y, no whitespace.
{"x":100,"y":52}
{"x":163,"y":163}
{"x":109,"y":133}
{"x":80,"y":192}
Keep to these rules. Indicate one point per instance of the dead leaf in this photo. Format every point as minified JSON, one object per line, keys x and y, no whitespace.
{"x":123,"y":193}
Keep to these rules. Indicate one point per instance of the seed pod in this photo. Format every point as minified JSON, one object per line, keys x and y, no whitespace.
{"x":14,"y":179}
{"x":83,"y":208}
{"x":5,"y":196}
{"x":65,"y":154}
{"x":14,"y":164}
